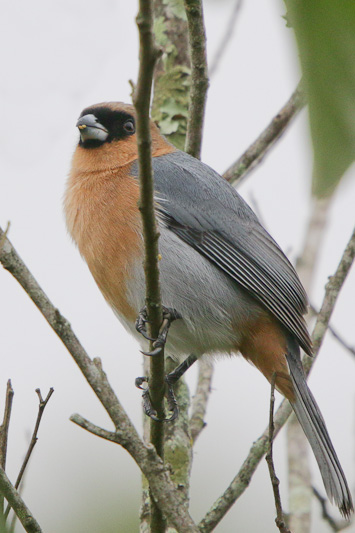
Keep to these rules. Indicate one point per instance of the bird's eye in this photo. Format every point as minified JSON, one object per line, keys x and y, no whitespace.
{"x":128,"y":126}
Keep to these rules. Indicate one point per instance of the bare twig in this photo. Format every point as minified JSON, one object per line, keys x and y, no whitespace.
{"x":331,"y":294}
{"x":199,"y":76}
{"x":242,"y":479}
{"x":18,"y":505}
{"x":34,"y":439}
{"x":4,"y":428}
{"x":280,"y":521}
{"x":267,"y":139}
{"x":148,"y":55}
{"x":4,"y":431}
{"x":228,"y":34}
{"x":199,"y":401}
{"x":148,"y":461}
{"x":4,"y":235}
{"x":95,"y":430}
{"x":335,"y":333}
{"x":12,"y":526}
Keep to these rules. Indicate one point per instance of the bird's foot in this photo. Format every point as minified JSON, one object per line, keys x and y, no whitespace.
{"x":141,"y":322}
{"x":147,"y":402}
{"x":169,"y":315}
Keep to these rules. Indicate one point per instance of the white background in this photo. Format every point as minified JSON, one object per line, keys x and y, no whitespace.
{"x":57,"y":58}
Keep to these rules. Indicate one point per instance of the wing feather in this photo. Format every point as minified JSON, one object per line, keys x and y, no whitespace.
{"x":196,"y":204}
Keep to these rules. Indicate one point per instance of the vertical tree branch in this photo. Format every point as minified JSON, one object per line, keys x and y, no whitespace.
{"x":4,"y":429}
{"x":148,"y":55}
{"x":172,"y":76}
{"x":172,"y":81}
{"x":299,"y":475}
{"x":199,"y":402}
{"x":199,"y":76}
{"x":280,"y":520}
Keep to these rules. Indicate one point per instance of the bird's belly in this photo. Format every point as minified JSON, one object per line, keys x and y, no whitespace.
{"x":213,"y":307}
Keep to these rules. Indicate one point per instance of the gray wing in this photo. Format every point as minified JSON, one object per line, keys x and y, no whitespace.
{"x":199,"y":206}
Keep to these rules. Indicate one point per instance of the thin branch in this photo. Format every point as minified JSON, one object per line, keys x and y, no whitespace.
{"x":18,"y":505}
{"x":267,"y":139}
{"x":242,"y":479}
{"x":12,"y":526}
{"x":332,"y":290}
{"x":95,"y":430}
{"x":4,"y":431}
{"x":199,"y":76}
{"x":335,"y":525}
{"x":228,"y":34}
{"x":34,"y":439}
{"x":335,"y":333}
{"x":147,"y":58}
{"x":4,"y":428}
{"x":4,"y":235}
{"x":145,"y":456}
{"x":148,"y":55}
{"x":178,"y":444}
{"x":280,"y":520}
{"x":199,"y":401}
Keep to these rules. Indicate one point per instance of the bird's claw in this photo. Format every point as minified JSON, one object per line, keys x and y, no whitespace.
{"x":156,"y":351}
{"x":139,"y":382}
{"x":147,"y":403}
{"x":169,"y":315}
{"x":171,"y":400}
{"x":141,"y":321}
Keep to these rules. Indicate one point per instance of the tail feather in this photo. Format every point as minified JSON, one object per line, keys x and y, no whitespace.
{"x":312,"y":422}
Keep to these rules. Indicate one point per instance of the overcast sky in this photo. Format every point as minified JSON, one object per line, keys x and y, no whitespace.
{"x":58,"y":58}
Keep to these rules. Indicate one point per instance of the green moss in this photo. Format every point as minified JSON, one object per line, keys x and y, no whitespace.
{"x":159,"y":29}
{"x":171,"y":101}
{"x":177,"y":8}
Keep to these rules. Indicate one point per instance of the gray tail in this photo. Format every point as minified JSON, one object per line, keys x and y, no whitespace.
{"x":311,"y":420}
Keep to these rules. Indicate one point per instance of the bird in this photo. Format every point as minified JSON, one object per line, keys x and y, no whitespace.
{"x":225,"y":282}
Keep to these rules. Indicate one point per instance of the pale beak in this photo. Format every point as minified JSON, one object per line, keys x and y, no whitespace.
{"x":90,"y":128}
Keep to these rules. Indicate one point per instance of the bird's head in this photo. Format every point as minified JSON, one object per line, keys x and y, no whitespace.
{"x":108,"y":137}
{"x":106,"y":123}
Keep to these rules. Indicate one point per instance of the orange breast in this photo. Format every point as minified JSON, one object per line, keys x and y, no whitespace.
{"x":104,"y":220}
{"x":103,"y":217}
